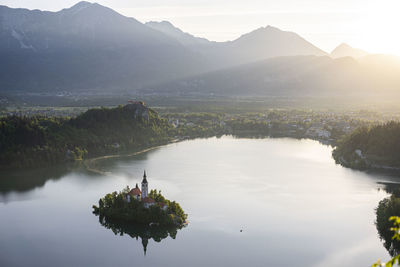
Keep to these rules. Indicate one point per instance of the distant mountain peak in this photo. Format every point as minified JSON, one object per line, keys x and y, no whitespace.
{"x":265,"y":29}
{"x":269,"y":41}
{"x":269,"y":27}
{"x":92,"y":12}
{"x":264,"y":32}
{"x":80,"y":5}
{"x":163,"y":22}
{"x":345,"y":50}
{"x":84,"y":5}
{"x":169,"y":29}
{"x":343,"y":46}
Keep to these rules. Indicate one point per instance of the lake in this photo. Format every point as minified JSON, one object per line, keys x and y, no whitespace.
{"x":294,"y":205}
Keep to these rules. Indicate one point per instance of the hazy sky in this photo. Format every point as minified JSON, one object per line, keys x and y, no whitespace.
{"x":368,"y":24}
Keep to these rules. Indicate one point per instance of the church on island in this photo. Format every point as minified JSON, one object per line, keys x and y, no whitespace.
{"x":143,"y":195}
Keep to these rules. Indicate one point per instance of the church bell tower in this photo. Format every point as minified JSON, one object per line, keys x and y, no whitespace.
{"x":145,"y":186}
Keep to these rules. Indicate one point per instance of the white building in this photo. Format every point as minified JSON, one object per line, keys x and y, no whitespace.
{"x":145,"y":186}
{"x":143,"y":195}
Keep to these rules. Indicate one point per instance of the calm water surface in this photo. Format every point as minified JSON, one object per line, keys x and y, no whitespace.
{"x":294,"y":205}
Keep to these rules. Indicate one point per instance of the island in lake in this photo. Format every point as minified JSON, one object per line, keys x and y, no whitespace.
{"x":140,"y":207}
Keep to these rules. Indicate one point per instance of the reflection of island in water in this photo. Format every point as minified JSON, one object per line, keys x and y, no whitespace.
{"x":144,"y":232}
{"x":139,"y":213}
{"x":388,"y":207}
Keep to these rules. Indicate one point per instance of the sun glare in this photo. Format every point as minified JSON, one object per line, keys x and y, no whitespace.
{"x":379,"y":27}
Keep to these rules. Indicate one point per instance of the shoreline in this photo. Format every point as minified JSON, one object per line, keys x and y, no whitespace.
{"x":87,"y":163}
{"x":368,"y":167}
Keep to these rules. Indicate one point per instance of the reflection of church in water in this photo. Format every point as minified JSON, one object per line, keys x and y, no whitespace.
{"x":144,"y":232}
{"x":145,"y":241}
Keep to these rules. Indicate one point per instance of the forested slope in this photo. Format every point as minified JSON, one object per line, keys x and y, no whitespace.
{"x":371,"y":147}
{"x":36,"y":141}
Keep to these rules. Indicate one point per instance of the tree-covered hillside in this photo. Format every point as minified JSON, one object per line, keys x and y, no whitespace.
{"x":371,"y":147}
{"x":37,"y":141}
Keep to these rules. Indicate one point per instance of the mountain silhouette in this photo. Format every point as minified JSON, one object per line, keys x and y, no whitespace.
{"x":90,"y":48}
{"x":344,"y":50}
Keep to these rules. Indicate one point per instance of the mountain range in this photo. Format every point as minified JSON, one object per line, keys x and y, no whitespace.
{"x":92,"y":49}
{"x":86,"y":47}
{"x":259,"y":44}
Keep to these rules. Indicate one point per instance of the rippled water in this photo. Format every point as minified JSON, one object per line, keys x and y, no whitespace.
{"x":295,"y":207}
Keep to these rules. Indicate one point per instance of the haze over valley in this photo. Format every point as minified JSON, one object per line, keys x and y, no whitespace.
{"x":91,"y":49}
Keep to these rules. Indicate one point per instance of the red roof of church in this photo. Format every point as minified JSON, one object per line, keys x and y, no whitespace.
{"x":148,"y":200}
{"x":135,"y":192}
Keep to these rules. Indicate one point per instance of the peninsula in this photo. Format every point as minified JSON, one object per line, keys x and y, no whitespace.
{"x":41,"y":141}
{"x":375,"y":147}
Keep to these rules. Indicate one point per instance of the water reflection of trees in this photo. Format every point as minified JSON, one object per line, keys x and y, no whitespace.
{"x":386,"y":208}
{"x":144,"y":232}
{"x":28,"y":179}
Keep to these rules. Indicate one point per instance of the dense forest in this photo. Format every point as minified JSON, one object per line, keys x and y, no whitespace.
{"x":40,"y":141}
{"x":371,"y":147}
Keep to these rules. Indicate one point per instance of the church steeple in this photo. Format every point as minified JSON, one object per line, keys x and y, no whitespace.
{"x":144,"y":177}
{"x":145,"y":186}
